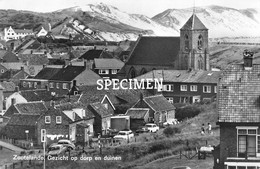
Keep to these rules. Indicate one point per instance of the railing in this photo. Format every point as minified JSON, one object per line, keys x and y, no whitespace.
{"x":247,"y":155}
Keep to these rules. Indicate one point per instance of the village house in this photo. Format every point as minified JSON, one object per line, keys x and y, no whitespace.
{"x":160,"y":110}
{"x":14,"y":75}
{"x":189,"y":51}
{"x":138,"y":117}
{"x":183,"y":86}
{"x":10,"y":33}
{"x":41,"y":32}
{"x":91,"y":54}
{"x":239,"y":117}
{"x":107,"y":67}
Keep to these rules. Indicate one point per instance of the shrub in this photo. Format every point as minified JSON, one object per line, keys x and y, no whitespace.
{"x":170,"y":131}
{"x":187,"y":112}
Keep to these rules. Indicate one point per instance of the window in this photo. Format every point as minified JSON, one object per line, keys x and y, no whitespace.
{"x":35,"y":84}
{"x":57,"y":85}
{"x":215,"y":89}
{"x":65,"y":86}
{"x":193,"y":88}
{"x":2,"y":70}
{"x":76,"y":92}
{"x":24,"y":84}
{"x":206,"y":89}
{"x":30,"y":84}
{"x":114,"y":71}
{"x":186,"y":42}
{"x":247,"y":141}
{"x":47,"y":119}
{"x":200,"y":42}
{"x":103,"y":71}
{"x":106,"y":105}
{"x":1,"y":120}
{"x":168,"y":88}
{"x":183,"y":87}
{"x":51,"y":85}
{"x":170,"y":99}
{"x":58,"y":119}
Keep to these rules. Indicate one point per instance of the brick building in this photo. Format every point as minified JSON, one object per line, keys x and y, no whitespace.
{"x":239,"y":117}
{"x":182,"y":86}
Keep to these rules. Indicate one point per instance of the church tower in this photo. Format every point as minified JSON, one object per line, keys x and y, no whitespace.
{"x":194,"y":45}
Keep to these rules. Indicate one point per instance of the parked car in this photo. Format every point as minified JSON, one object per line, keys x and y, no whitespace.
{"x":142,"y":130}
{"x":124,"y":135}
{"x":152,"y":127}
{"x":56,"y":150}
{"x":65,"y":143}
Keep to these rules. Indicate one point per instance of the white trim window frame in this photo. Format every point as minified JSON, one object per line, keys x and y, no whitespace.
{"x":103,"y":71}
{"x":58,"y":119}
{"x":47,"y":119}
{"x":184,"y":87}
{"x":170,"y":99}
{"x":215,"y":89}
{"x":29,"y":84}
{"x":57,"y":85}
{"x":206,"y":89}
{"x":65,"y":86}
{"x":168,"y":87}
{"x":193,"y":88}
{"x":114,"y":71}
{"x":51,"y":85}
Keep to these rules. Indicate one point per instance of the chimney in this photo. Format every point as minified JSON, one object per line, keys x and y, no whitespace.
{"x":16,"y":89}
{"x":13,"y":101}
{"x":248,"y":59}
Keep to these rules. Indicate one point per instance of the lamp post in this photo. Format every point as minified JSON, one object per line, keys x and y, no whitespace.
{"x":27,"y":134}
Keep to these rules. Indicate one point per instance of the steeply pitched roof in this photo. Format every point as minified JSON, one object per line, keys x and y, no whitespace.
{"x":196,"y":76}
{"x":9,"y":74}
{"x":91,"y":54}
{"x":108,"y":63}
{"x":159,"y":103}
{"x":238,"y":95}
{"x":31,"y":108}
{"x":68,"y":73}
{"x":137,"y":113}
{"x":194,"y":23}
{"x":155,"y":51}
{"x":36,"y":95}
{"x":100,"y":109}
{"x":9,"y":56}
{"x":47,"y":72}
{"x":23,"y":120}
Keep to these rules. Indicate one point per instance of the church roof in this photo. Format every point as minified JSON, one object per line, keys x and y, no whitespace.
{"x":194,"y":23}
{"x":153,"y":50}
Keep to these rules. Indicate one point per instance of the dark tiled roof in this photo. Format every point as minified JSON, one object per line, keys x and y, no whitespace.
{"x":159,"y":103}
{"x":155,"y":51}
{"x":68,"y":73}
{"x":31,"y":108}
{"x":194,"y":23}
{"x":238,"y":95}
{"x":108,"y":63}
{"x":8,"y":86}
{"x":100,"y":109}
{"x":56,"y":112}
{"x":23,"y":120}
{"x":9,"y":74}
{"x":198,"y":76}
{"x":91,"y":54}
{"x":47,"y":73}
{"x":137,"y":113}
{"x":36,"y":95}
{"x":10,"y":57}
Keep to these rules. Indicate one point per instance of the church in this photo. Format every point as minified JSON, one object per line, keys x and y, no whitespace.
{"x":187,"y":52}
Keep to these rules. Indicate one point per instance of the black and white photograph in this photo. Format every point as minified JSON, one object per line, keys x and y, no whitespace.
{"x":130,"y":84}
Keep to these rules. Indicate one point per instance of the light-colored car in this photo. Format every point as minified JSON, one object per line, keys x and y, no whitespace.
{"x":152,"y":127}
{"x":124,"y":135}
{"x":56,"y":150}
{"x":65,"y":143}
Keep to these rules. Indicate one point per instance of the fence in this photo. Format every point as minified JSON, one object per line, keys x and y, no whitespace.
{"x":19,"y":143}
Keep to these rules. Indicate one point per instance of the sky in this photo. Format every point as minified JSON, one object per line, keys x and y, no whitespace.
{"x":146,"y":7}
